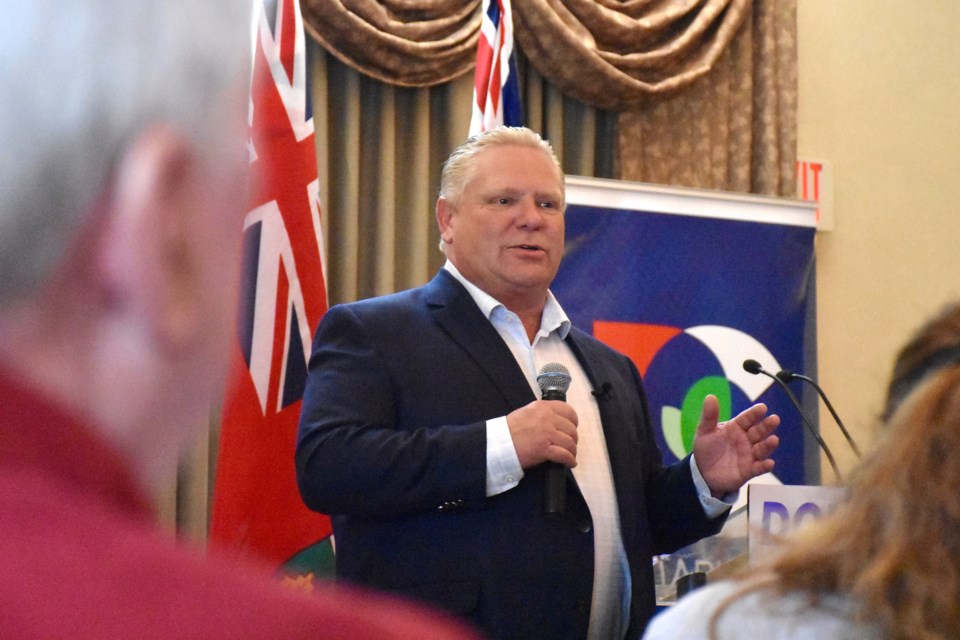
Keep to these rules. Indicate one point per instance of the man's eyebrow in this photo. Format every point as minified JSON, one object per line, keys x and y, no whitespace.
{"x":551,"y":195}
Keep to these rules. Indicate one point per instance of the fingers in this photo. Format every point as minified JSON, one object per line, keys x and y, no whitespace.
{"x":711,"y":408}
{"x":761,"y":467}
{"x":561,"y":455}
{"x":750,"y":417}
{"x":758,"y":428}
{"x":761,"y":437}
{"x":544,"y":430}
{"x":732,"y":452}
{"x":755,"y":422}
{"x":764,"y":428}
{"x":765,"y":447}
{"x":710,"y":414}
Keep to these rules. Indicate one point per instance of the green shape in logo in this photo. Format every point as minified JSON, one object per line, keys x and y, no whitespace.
{"x":693,"y":406}
{"x":680,"y":425}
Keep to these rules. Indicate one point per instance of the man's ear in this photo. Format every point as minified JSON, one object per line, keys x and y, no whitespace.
{"x":444,"y":213}
{"x":149,"y":255}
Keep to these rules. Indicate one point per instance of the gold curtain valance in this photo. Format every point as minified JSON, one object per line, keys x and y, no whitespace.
{"x":616,"y":54}
{"x":612,"y":54}
{"x":407,"y":43}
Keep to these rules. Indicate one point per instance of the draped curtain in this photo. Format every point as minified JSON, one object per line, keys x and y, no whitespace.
{"x":380,"y":148}
{"x":697,"y":93}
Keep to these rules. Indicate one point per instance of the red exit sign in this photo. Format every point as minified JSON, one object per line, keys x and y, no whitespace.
{"x":815,"y":184}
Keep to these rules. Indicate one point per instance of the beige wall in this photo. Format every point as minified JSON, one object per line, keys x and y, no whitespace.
{"x":879,"y":97}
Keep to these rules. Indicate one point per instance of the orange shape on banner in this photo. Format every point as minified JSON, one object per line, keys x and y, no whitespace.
{"x":639,"y":342}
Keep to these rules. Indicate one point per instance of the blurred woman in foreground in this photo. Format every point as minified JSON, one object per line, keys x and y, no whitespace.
{"x":886,"y":564}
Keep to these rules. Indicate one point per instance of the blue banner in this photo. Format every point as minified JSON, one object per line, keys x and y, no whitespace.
{"x":689,"y":298}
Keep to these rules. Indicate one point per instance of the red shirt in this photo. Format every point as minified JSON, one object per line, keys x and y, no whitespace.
{"x":81,"y":556}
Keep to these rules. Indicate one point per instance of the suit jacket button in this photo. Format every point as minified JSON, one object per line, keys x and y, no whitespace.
{"x":585,"y":526}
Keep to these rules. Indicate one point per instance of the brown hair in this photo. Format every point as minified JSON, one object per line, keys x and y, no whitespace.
{"x":935,"y":345}
{"x":894,"y":546}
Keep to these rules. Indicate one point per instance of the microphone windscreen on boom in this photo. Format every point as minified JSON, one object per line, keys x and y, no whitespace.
{"x":752,"y":366}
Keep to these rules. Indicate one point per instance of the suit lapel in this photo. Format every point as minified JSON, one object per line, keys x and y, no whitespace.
{"x":458,"y":315}
{"x":587,"y":359}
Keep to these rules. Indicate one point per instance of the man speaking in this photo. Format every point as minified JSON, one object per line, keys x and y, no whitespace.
{"x":424,"y":434}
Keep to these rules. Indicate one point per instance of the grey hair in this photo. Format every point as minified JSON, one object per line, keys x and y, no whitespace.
{"x":81,"y":78}
{"x":460,"y":166}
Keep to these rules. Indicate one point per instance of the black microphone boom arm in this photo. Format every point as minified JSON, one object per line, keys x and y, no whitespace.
{"x":787,"y":376}
{"x":754,"y":367}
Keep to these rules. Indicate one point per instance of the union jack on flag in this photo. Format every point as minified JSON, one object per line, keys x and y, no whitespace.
{"x":496,"y":90}
{"x":257,"y":506}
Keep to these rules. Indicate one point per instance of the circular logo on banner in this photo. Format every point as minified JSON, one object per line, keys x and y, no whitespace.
{"x":699,"y":361}
{"x":682,"y":366}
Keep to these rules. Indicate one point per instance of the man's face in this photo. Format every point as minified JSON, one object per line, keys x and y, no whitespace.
{"x":505,"y":233}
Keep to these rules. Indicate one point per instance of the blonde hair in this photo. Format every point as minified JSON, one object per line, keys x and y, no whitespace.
{"x":893,"y":546}
{"x":459,"y":167}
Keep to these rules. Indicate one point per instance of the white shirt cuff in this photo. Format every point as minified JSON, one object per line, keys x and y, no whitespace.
{"x":712,"y":507}
{"x":503,"y":465}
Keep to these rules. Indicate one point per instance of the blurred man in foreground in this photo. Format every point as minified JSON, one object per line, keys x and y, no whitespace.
{"x":121,"y":202}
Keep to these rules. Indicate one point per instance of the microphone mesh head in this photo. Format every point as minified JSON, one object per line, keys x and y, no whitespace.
{"x":553,"y":376}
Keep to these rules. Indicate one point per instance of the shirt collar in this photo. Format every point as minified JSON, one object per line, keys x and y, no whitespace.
{"x":553,"y":318}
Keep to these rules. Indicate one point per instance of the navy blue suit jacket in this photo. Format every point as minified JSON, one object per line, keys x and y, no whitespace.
{"x":392,"y":444}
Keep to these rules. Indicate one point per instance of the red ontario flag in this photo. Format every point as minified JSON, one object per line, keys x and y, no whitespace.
{"x":257,"y":508}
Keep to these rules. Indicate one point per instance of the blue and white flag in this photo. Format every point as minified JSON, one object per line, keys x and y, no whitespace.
{"x":496,"y":91}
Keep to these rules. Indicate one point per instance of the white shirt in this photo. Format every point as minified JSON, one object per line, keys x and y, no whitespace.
{"x":759,"y":614}
{"x":610,"y":607}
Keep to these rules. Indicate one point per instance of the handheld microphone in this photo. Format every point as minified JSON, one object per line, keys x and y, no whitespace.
{"x":754,"y":367}
{"x":787,"y":375}
{"x":554,"y":380}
